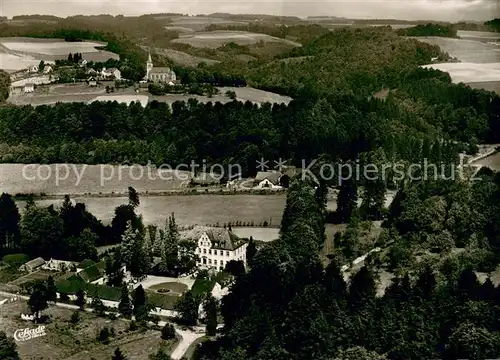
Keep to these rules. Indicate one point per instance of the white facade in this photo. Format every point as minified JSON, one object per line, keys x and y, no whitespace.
{"x":213,"y":257}
{"x":47,"y":69}
{"x":117,"y":74}
{"x":267,"y":184}
{"x":58,"y":265}
{"x":29,"y":88}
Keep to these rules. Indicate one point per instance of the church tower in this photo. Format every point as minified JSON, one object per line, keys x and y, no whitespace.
{"x":149,"y":66}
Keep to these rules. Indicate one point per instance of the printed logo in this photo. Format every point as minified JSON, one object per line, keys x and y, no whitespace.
{"x":28,"y":334}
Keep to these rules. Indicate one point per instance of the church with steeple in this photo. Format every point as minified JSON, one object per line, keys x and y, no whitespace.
{"x":159,"y":74}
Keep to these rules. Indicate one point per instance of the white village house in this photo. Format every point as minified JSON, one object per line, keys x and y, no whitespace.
{"x":112,"y":72}
{"x":59,"y":265}
{"x":159,"y":74}
{"x":92,"y":82}
{"x":217,"y":246}
{"x":29,"y":88}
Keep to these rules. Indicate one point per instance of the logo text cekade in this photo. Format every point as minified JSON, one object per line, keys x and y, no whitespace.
{"x":28,"y":334}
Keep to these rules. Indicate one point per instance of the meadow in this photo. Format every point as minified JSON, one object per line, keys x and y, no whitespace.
{"x":467,"y":72}
{"x":216,"y":39}
{"x":189,"y":210}
{"x":20,"y":53}
{"x":49,"y":46}
{"x":126,"y":99}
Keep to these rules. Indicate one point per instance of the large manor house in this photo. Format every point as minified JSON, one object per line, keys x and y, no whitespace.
{"x":159,"y":74}
{"x":217,"y":246}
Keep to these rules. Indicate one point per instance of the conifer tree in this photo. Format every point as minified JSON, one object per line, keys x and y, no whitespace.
{"x":125,"y":305}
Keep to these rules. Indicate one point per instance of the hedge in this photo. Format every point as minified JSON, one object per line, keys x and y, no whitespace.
{"x":15,"y":260}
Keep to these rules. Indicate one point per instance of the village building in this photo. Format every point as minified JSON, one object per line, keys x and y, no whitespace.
{"x":273,"y":179}
{"x":32,"y":265}
{"x":33,"y":69}
{"x":29,"y":88}
{"x":159,"y":74}
{"x":59,"y":265}
{"x":92,"y":82}
{"x":112,"y":72}
{"x":48,"y":69}
{"x":268,"y":179}
{"x":217,"y":246}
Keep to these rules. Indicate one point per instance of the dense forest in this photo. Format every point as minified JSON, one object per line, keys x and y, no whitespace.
{"x":4,"y":85}
{"x":289,"y":307}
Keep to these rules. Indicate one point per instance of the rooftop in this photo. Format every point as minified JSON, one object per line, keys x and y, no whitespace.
{"x":272,"y":176}
{"x":35,"y":262}
{"x":221,"y":238}
{"x":161,"y":70}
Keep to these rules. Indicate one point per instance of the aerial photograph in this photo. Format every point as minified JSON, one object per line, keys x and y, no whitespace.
{"x":250,"y":180}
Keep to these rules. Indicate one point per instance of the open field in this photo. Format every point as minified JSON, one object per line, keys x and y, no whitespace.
{"x":52,"y":94}
{"x":78,"y":342}
{"x":189,"y":210}
{"x":20,"y":53}
{"x":466,"y":50}
{"x":470,"y":72}
{"x":199,"y":23}
{"x":179,"y":29}
{"x":183,"y":58}
{"x":127,"y":99}
{"x":87,"y":179}
{"x":488,"y":85}
{"x":260,"y":234}
{"x":12,"y":62}
{"x":215,"y":39}
{"x":49,"y":46}
{"x":256,"y":95}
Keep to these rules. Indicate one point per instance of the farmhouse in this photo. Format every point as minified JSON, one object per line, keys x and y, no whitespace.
{"x":92,"y":82}
{"x":268,"y":179}
{"x":32,"y":265}
{"x":47,"y":69}
{"x":159,"y":74}
{"x":112,"y":72}
{"x":58,"y":265}
{"x":216,"y":247}
{"x":33,"y":69}
{"x":29,"y":88}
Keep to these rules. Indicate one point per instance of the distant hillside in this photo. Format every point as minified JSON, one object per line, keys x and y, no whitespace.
{"x":260,"y":17}
{"x":36,"y":17}
{"x":429,"y":30}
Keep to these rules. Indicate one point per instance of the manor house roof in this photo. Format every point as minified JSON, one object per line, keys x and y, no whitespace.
{"x":221,"y":238}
